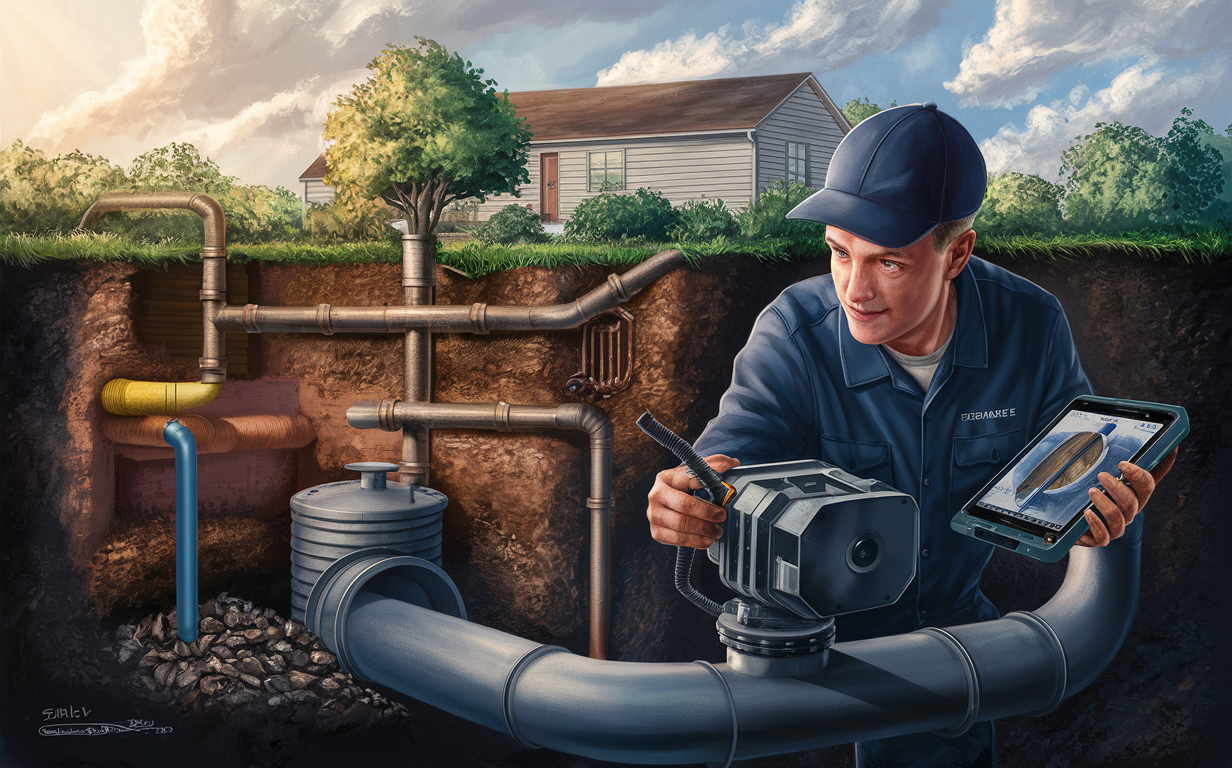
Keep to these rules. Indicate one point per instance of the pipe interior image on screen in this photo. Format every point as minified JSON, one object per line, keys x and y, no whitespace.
{"x":1049,"y":485}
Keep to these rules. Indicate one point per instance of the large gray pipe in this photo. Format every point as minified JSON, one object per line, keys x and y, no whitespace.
{"x":930,"y":680}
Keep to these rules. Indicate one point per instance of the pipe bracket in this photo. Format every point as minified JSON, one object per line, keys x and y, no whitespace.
{"x":511,"y":682}
{"x":323,"y":321}
{"x":1054,"y":643}
{"x":731,"y":705}
{"x":973,"y":682}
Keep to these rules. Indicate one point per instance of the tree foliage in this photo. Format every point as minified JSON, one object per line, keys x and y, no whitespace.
{"x":1122,"y":178}
{"x":423,"y":130}
{"x":858,"y":110}
{"x":1019,"y":203}
{"x":41,"y":194}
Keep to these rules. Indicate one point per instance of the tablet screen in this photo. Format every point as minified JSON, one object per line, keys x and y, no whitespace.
{"x":1048,"y":487}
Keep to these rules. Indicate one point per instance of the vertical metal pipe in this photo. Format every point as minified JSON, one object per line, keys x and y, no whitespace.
{"x":419,"y":289}
{"x":213,"y":362}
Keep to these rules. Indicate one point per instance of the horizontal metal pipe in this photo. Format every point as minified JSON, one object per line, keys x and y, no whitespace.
{"x":933,"y":679}
{"x":392,"y":415}
{"x":476,"y":318}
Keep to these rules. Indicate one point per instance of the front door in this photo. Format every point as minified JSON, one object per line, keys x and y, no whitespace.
{"x":549,"y":192}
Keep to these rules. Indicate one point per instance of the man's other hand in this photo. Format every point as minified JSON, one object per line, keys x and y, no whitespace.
{"x":679,"y":518}
{"x":1121,"y":502}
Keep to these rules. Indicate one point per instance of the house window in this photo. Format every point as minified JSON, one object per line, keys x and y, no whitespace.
{"x":797,"y":163}
{"x":607,"y":170}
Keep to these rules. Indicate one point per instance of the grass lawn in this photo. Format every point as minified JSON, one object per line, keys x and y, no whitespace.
{"x":475,"y":259}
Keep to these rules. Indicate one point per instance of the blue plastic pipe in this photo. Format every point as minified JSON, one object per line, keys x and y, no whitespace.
{"x":179,"y":438}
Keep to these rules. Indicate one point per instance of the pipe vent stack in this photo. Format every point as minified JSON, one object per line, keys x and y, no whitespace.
{"x":331,"y":521}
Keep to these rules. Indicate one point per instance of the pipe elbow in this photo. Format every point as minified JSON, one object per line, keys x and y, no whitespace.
{"x":124,"y":397}
{"x":586,"y":417}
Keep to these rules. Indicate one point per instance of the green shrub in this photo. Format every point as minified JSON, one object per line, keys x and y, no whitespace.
{"x":1019,"y":203}
{"x":41,"y":194}
{"x":611,"y":216}
{"x":512,"y":224}
{"x":766,"y":217}
{"x":702,"y":220}
{"x":349,"y":217}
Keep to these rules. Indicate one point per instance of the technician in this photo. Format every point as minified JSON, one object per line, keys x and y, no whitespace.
{"x":912,"y":362}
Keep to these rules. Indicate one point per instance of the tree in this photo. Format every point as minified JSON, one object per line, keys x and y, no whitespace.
{"x":858,"y":110}
{"x":1019,"y":203}
{"x":40,"y":194}
{"x":425,"y":129}
{"x":1122,"y":177}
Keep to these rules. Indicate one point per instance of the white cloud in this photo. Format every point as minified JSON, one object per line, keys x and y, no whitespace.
{"x":1031,"y":39}
{"x":1146,"y":94}
{"x":828,"y":34}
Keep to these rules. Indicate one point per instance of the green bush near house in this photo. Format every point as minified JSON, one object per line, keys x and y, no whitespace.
{"x":1019,"y":204}
{"x":702,"y":220}
{"x":612,"y":216}
{"x":511,"y":224}
{"x":766,"y":217}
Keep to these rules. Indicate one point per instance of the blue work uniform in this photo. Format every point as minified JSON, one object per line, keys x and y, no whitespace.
{"x":803,"y":387}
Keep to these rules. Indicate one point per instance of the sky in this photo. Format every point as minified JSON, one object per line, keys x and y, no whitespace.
{"x":250,"y":82}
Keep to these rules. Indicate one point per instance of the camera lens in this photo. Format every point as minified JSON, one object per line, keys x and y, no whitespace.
{"x":864,"y":553}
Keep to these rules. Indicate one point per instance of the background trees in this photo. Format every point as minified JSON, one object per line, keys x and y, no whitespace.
{"x":425,"y":129}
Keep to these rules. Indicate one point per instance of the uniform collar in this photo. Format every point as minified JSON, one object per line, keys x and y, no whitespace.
{"x":863,"y":363}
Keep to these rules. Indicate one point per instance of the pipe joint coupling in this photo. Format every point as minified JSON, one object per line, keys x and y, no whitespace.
{"x":323,"y":319}
{"x":213,"y":252}
{"x":479,"y":318}
{"x":593,"y":503}
{"x":617,"y":287}
{"x":248,"y":318}
{"x":212,"y":295}
{"x":213,"y":369}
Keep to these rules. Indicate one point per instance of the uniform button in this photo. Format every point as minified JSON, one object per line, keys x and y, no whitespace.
{"x":924,"y":552}
{"x":927,"y":482}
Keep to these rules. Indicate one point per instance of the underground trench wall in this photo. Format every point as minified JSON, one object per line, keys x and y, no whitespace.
{"x":515,"y":529}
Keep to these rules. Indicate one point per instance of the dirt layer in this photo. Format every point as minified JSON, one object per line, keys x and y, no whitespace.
{"x":79,"y":564}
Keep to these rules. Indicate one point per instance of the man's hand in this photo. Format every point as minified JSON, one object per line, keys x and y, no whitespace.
{"x":1121,"y":503}
{"x":680,"y":518}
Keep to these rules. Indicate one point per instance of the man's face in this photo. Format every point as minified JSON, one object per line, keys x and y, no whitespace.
{"x":895,"y":296}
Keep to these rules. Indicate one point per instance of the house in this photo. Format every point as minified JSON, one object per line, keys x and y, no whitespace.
{"x":728,"y":138}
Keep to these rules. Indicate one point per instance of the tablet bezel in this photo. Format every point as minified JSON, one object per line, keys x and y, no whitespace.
{"x":1140,"y":411}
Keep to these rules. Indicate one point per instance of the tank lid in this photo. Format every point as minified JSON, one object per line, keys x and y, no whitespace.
{"x":370,"y":498}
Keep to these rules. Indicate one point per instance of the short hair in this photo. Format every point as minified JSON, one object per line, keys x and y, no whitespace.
{"x":948,"y":231}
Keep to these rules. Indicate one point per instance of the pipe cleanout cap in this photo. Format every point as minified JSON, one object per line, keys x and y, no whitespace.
{"x":372,"y":473}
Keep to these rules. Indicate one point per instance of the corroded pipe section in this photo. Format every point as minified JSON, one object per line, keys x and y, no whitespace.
{"x":392,"y":415}
{"x":213,"y":360}
{"x":476,"y":318}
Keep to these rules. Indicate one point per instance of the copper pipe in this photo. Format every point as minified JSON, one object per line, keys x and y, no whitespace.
{"x":213,"y":360}
{"x":476,"y":318}
{"x":215,"y":435}
{"x":391,"y":415}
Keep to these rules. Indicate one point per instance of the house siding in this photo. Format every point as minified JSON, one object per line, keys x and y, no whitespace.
{"x":316,"y":191}
{"x":681,"y":169}
{"x":800,"y":118}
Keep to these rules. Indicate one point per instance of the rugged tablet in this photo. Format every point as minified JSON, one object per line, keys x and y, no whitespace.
{"x":1036,"y":505}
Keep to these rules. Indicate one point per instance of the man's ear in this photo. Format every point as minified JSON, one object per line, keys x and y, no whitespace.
{"x":959,"y":253}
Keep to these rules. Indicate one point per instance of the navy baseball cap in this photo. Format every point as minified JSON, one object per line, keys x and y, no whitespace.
{"x":897,"y":175}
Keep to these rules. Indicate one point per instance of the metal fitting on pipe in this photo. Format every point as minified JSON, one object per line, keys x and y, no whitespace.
{"x":476,"y":318}
{"x":391,"y":415}
{"x":419,"y":290}
{"x":940,"y":680}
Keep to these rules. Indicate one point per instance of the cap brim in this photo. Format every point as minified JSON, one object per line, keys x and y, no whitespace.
{"x":863,"y":218}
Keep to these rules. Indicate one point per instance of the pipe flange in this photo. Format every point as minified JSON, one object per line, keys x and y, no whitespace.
{"x":511,"y":681}
{"x":323,"y":319}
{"x":973,"y":682}
{"x":731,"y":706}
{"x":1058,"y":650}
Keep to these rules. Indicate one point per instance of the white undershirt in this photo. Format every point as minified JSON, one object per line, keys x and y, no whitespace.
{"x":921,"y":368}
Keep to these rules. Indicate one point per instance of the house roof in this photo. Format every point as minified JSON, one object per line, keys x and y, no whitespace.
{"x":655,"y":109}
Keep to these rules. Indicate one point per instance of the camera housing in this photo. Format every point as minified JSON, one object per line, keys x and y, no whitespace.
{"x":815,"y":541}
